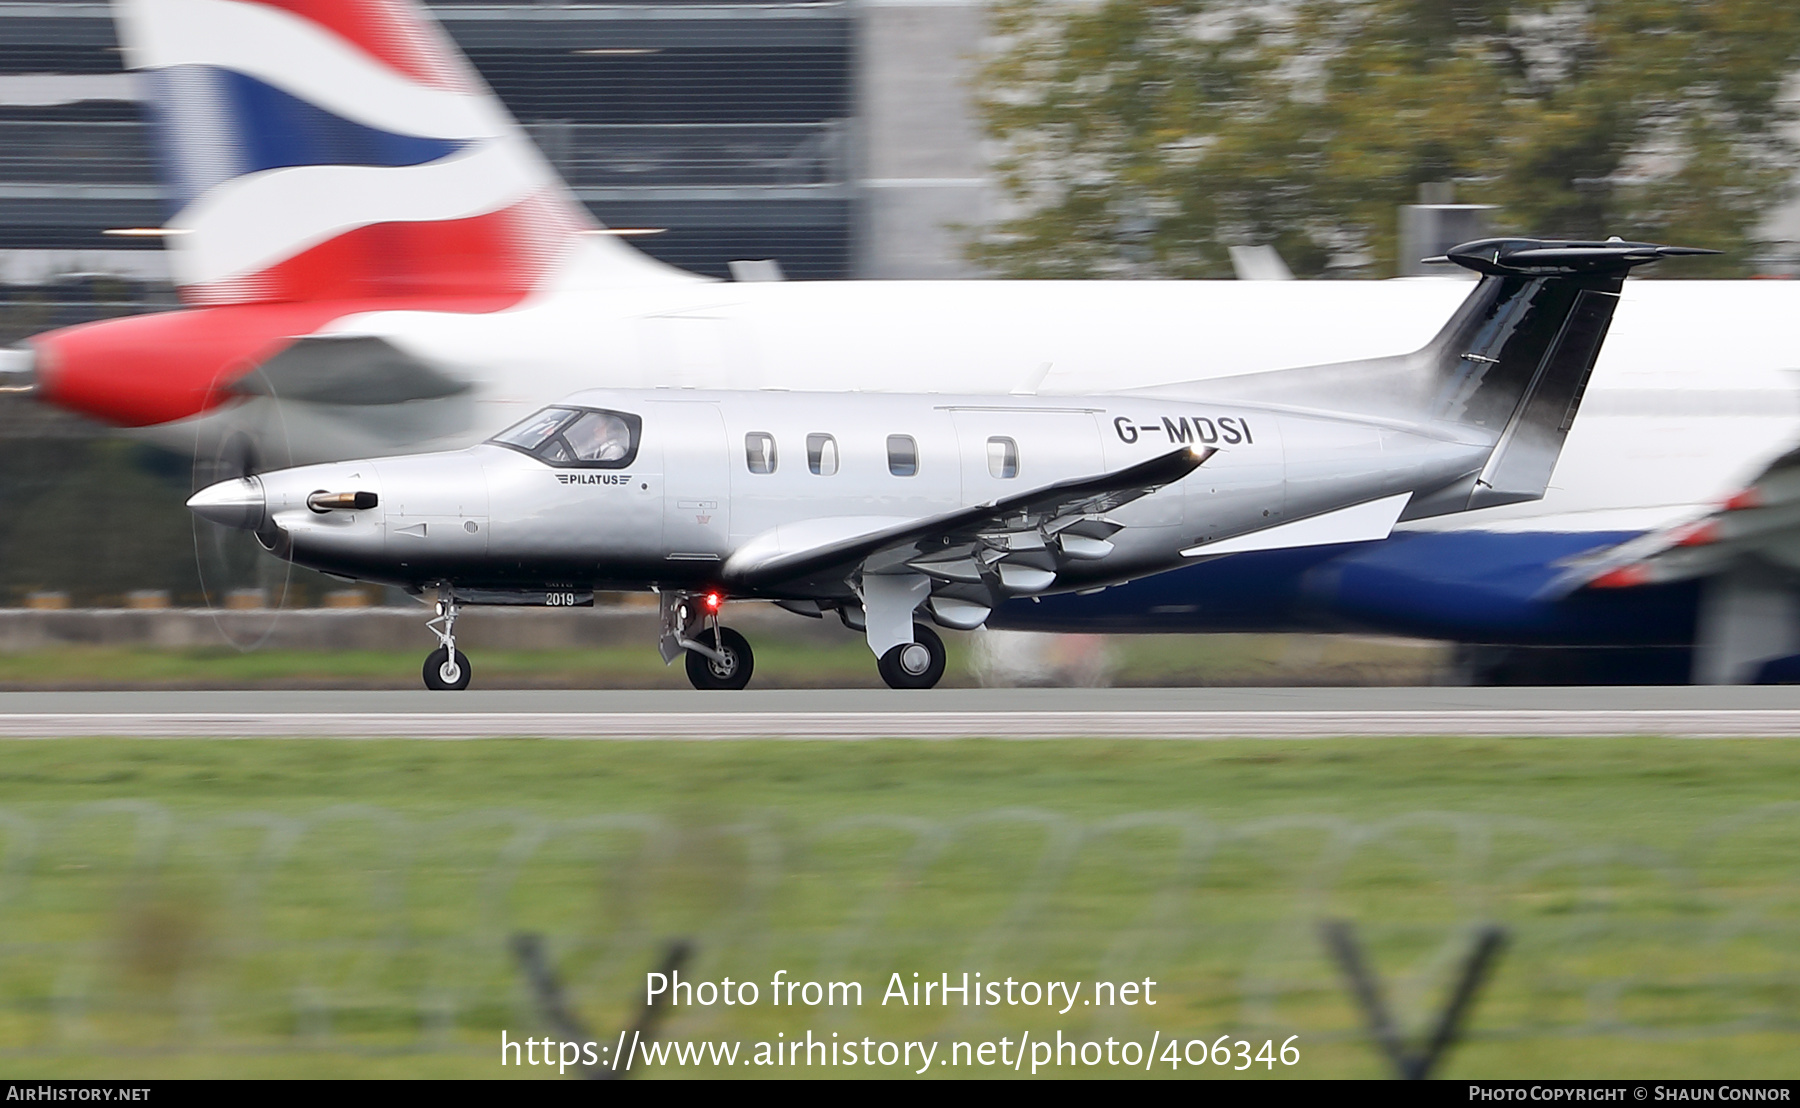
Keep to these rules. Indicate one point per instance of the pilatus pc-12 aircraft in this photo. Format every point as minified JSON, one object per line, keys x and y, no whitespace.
{"x":375,"y":260}
{"x":903,"y":509}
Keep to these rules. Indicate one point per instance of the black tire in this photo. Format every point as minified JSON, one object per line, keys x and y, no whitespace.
{"x":706,"y":673}
{"x":893,"y":664}
{"x":435,"y":677}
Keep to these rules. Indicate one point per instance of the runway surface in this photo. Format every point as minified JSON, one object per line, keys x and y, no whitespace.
{"x":940,"y":714}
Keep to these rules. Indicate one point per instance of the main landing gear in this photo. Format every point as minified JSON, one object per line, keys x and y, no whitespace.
{"x":915,"y":665}
{"x":720,"y":658}
{"x":446,"y":668}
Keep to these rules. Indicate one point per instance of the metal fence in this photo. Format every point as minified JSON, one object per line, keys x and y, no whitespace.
{"x":127,"y":927}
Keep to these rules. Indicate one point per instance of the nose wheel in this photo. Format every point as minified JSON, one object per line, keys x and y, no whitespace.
{"x":726,"y":661}
{"x":915,"y":665}
{"x":446,"y":668}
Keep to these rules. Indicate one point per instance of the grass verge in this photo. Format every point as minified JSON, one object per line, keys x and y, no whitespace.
{"x":189,"y":908}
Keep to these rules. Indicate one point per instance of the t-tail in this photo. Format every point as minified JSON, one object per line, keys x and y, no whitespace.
{"x":1509,"y":367}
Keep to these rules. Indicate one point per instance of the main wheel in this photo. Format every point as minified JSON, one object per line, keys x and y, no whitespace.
{"x":915,"y":665}
{"x":445,"y":672}
{"x":731,"y":672}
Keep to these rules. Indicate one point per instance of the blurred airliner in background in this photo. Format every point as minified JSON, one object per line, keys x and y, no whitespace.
{"x":376,"y":260}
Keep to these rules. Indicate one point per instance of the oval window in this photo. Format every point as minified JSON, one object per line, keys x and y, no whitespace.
{"x":1003,"y":457}
{"x":903,"y":455}
{"x":759,"y":452}
{"x":821,"y":454}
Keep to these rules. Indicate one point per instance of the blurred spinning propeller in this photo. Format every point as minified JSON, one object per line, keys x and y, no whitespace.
{"x":239,"y":440}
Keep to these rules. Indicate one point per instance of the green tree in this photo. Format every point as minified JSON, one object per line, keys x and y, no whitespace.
{"x":1144,"y":137}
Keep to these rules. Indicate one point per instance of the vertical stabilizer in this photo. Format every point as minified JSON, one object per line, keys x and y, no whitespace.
{"x":1516,"y":358}
{"x":1508,"y":369}
{"x":345,"y":150}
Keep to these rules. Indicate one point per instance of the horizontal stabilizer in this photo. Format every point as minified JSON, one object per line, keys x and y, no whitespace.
{"x":348,"y":369}
{"x":1756,"y":528}
{"x":1544,"y":257}
{"x":1361,"y":523}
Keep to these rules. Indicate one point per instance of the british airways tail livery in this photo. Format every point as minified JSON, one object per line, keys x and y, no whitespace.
{"x":377,"y":261}
{"x":339,"y":152}
{"x":321,"y":159}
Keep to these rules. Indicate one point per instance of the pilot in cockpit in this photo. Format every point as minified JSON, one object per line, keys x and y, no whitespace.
{"x":599,"y":437}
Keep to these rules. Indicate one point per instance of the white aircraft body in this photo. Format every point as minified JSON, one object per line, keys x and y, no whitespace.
{"x":922,"y":505}
{"x":377,"y":261}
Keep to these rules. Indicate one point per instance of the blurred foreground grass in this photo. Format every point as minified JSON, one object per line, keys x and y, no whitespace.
{"x":314,"y":908}
{"x":1146,"y":660}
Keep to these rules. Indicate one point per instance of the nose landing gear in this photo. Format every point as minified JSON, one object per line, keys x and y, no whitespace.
{"x":716,"y":657}
{"x":446,"y":668}
{"x":915,"y":665}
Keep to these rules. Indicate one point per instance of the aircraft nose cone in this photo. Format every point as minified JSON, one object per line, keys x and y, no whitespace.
{"x":236,"y":503}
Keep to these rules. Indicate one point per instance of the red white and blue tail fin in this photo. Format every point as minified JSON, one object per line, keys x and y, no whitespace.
{"x":345,"y":150}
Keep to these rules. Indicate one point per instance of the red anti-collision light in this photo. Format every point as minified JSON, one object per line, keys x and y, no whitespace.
{"x":713,"y":600}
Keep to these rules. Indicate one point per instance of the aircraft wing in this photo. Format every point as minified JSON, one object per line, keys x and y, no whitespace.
{"x":1012,"y":545}
{"x":1759,"y":524}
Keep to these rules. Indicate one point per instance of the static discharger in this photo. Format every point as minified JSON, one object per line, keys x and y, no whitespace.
{"x":323,"y":501}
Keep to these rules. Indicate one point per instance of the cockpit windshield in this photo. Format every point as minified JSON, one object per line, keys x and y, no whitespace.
{"x":584,"y":437}
{"x":531,"y":434}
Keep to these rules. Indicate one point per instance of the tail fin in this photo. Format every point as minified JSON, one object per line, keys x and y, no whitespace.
{"x":345,"y":150}
{"x":1516,"y":357}
{"x":1510,"y":366}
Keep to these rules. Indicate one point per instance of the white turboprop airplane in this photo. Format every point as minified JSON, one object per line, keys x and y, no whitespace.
{"x":377,"y":261}
{"x":916,"y":506}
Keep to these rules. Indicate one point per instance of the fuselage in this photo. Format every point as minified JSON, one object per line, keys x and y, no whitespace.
{"x":702,"y":477}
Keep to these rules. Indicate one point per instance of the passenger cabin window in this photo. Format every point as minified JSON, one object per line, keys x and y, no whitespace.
{"x":759,"y":452}
{"x":903,"y":455}
{"x":1003,"y":457}
{"x":582,"y":437}
{"x":821,"y":454}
